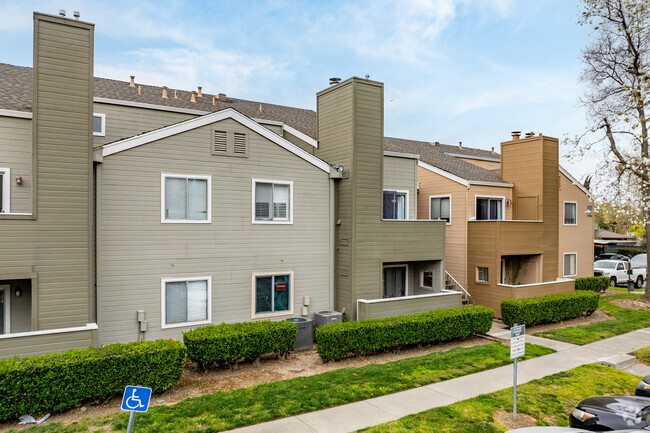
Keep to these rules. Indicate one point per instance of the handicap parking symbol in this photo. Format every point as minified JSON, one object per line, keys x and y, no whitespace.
{"x":136,"y":398}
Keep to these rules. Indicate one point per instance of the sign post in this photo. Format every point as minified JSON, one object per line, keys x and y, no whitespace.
{"x":517,"y":349}
{"x":135,"y":399}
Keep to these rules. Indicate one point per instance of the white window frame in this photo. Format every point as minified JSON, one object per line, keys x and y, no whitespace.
{"x":7,"y":289}
{"x":564,"y":203}
{"x":163,"y":302}
{"x":253,"y":294}
{"x":433,"y":284}
{"x":101,"y":133}
{"x":488,"y":272}
{"x":291,"y":204}
{"x":6,"y":190}
{"x":503,"y":205}
{"x":165,"y":220}
{"x":406,"y":277}
{"x":563,"y":263}
{"x":440,"y":196}
{"x":406,"y":211}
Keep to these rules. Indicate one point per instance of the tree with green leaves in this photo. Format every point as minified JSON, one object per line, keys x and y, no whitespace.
{"x":617,"y":75}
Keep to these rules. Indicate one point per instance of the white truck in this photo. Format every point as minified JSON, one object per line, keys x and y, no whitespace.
{"x":618,"y":272}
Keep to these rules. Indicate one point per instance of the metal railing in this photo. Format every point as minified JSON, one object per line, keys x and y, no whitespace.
{"x":466,"y":294}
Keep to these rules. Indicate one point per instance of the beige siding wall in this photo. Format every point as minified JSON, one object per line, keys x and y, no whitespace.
{"x":432,"y":184}
{"x":138,"y":250}
{"x":579,"y":238}
{"x":488,"y":165}
{"x":16,"y":154}
{"x":123,"y":121}
{"x":400,"y":174}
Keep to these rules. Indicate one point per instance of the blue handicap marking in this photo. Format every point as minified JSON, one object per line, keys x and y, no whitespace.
{"x":136,"y":398}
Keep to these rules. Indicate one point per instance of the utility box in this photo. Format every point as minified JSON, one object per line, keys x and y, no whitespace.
{"x":305,"y":338}
{"x":323,"y":318}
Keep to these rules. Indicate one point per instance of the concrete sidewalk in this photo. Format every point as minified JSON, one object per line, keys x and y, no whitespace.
{"x":353,"y":416}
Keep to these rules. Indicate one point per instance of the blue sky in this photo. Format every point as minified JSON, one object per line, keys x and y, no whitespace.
{"x":454,"y":70}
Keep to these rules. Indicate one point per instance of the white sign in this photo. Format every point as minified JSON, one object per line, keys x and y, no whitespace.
{"x":517,"y":341}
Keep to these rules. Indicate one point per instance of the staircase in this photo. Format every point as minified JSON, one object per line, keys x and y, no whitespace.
{"x":452,"y":284}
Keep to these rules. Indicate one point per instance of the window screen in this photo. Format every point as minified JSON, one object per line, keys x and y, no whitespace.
{"x":440,"y":209}
{"x":570,"y":213}
{"x":186,"y":301}
{"x":186,"y":199}
{"x":272,"y":294}
{"x":482,"y":274}
{"x":272,"y":201}
{"x":569,"y":265}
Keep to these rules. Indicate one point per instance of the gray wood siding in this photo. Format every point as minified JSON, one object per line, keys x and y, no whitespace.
{"x":298,"y":142}
{"x":55,"y":244}
{"x":49,"y":343}
{"x":123,"y":121}
{"x":400,"y":307}
{"x":137,"y":250}
{"x":401,"y":174}
{"x":16,"y":154}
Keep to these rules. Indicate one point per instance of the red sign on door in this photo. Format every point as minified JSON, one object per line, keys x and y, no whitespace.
{"x":280,"y":286}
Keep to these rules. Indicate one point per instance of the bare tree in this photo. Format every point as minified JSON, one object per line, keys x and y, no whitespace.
{"x":617,"y":74}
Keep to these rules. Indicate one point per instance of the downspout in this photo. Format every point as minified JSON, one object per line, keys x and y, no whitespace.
{"x":332,"y":243}
{"x":98,"y":241}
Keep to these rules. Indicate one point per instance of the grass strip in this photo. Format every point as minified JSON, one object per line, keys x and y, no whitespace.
{"x":625,"y":320}
{"x":549,"y":401}
{"x":643,"y":355}
{"x":226,"y":410}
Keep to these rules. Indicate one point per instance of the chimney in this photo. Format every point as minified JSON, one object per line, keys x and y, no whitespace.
{"x":221,"y":96}
{"x":260,"y":108}
{"x":139,"y":89}
{"x":175,"y":94}
{"x":76,"y":15}
{"x":193,"y":97}
{"x":515,"y":135}
{"x":164,"y":92}
{"x":200,"y":95}
{"x":213,"y":99}
{"x":530,"y":134}
{"x":492,"y":151}
{"x":460,"y":144}
{"x":132,"y":81}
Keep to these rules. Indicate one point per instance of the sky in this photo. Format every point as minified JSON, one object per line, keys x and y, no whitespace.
{"x":467,"y":71}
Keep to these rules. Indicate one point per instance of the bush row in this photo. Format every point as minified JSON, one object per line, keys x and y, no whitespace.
{"x":548,"y":309}
{"x":215,"y":345}
{"x":339,"y":340}
{"x":58,"y":381}
{"x":596,"y":284}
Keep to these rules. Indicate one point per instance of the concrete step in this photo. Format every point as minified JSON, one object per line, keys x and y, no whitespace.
{"x":619,"y":362}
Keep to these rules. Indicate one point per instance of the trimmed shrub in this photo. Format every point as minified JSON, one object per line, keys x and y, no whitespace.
{"x":548,"y":309}
{"x":339,"y":340}
{"x":58,"y":381}
{"x":596,"y":284}
{"x":227,"y":343}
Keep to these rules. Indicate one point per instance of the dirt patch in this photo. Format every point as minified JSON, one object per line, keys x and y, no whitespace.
{"x":596,"y":316}
{"x":269,"y":369}
{"x":634,"y":304}
{"x":523,"y":420}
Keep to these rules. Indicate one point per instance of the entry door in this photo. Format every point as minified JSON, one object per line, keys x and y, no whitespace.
{"x":3,"y":304}
{"x":394,"y":281}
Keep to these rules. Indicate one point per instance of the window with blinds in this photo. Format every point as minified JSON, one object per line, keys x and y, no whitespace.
{"x":229,"y":143}
{"x":186,"y":198}
{"x":186,"y":301}
{"x":570,"y":213}
{"x":570,"y":264}
{"x":440,"y":208}
{"x":272,"y":201}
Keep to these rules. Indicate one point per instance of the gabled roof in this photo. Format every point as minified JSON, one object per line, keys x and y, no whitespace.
{"x":197,"y":122}
{"x":437,"y":156}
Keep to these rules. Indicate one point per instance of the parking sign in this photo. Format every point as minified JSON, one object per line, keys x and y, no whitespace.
{"x":517,"y":341}
{"x":136,"y":398}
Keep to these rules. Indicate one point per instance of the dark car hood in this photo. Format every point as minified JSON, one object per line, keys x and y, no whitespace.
{"x":619,"y":404}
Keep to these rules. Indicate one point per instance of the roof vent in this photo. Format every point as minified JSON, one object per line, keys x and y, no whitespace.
{"x":221,"y":96}
{"x":213,"y":99}
{"x":164,"y":92}
{"x":132,"y":81}
{"x":62,"y":12}
{"x":334,"y":80}
{"x":367,"y":76}
{"x":200,"y":95}
{"x":139,"y":89}
{"x":193,"y":97}
{"x":460,"y":144}
{"x":76,"y":14}
{"x":492,"y":151}
{"x":530,"y":134}
{"x":175,"y":93}
{"x":515,"y":135}
{"x":261,"y":108}
{"x":435,"y":143}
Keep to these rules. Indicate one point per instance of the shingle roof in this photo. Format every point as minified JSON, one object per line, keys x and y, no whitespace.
{"x":438,"y":156}
{"x":16,"y":94}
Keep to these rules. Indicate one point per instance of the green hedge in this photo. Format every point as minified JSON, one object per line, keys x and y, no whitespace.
{"x":630,"y":252}
{"x":58,"y":381}
{"x":339,"y":340}
{"x":548,"y":309}
{"x":596,"y":284}
{"x":227,"y":343}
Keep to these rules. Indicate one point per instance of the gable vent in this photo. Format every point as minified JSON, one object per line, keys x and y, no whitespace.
{"x":220,"y":142}
{"x":240,"y":144}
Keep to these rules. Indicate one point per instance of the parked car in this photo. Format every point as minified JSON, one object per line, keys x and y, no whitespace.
{"x":643,"y":388}
{"x":611,"y":412}
{"x":612,"y":256}
{"x":616,"y":270}
{"x":640,"y":261}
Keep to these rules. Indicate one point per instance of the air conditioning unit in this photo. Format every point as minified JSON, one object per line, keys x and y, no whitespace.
{"x":323,"y":318}
{"x":305,"y":338}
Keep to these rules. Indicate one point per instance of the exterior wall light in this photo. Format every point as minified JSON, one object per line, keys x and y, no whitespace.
{"x":19,"y":180}
{"x":17,"y":292}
